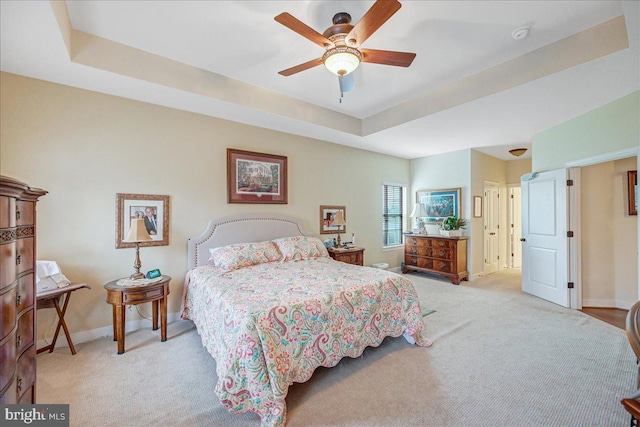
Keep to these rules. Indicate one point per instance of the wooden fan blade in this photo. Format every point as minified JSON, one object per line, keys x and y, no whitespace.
{"x":304,"y":30}
{"x":301,"y":67}
{"x":377,"y":15}
{"x":387,"y":57}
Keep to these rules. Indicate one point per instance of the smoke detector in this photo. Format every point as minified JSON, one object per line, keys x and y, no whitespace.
{"x":520,"y":34}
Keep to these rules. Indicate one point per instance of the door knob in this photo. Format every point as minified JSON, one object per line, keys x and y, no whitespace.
{"x":522,"y":239}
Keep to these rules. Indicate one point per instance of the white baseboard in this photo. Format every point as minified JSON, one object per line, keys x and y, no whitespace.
{"x":607,"y":303}
{"x":106,"y":331}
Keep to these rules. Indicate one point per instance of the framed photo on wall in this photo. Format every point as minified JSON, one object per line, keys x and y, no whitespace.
{"x":328,"y":215}
{"x":152,"y":208}
{"x":632,"y":178}
{"x":440,"y":204}
{"x":256,"y":177}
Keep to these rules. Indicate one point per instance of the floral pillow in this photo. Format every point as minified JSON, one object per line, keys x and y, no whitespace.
{"x":301,"y":247}
{"x":233,"y":257}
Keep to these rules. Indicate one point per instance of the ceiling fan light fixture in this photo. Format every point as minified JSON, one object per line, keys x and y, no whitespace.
{"x":518,"y":151}
{"x":342,"y":60}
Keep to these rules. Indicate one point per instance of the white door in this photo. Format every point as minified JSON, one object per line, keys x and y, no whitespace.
{"x":515,"y":229}
{"x":544,"y":235}
{"x":491,"y":226}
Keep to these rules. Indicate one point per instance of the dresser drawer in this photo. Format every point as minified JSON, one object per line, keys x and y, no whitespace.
{"x":8,"y":355}
{"x":417,"y":241}
{"x":418,"y":262}
{"x":24,"y":254}
{"x":26,"y":375}
{"x":24,"y":292}
{"x":9,"y":310}
{"x":7,"y":263}
{"x":7,"y":212}
{"x":443,"y":266}
{"x":24,"y":334}
{"x":419,"y":250}
{"x":25,"y":213}
{"x":144,"y":296}
{"x":442,"y":253}
{"x":441,"y":243}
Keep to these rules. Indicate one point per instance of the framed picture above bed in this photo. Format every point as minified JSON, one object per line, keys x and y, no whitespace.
{"x":440,"y":204}
{"x":327,"y":218}
{"x":153,"y":209}
{"x":256,"y":177}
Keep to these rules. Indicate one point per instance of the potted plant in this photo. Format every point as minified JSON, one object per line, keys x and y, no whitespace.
{"x":452,"y":226}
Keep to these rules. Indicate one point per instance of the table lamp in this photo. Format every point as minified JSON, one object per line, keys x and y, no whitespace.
{"x":137,"y":233}
{"x":419,"y":212}
{"x":340,"y":222}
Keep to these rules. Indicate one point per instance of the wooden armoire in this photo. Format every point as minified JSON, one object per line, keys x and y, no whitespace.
{"x":18,"y":291}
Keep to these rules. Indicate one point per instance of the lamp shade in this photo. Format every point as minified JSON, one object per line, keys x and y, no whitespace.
{"x":137,"y":232}
{"x":342,"y":60}
{"x":518,"y":151}
{"x":418,"y":211}
{"x":339,"y":219}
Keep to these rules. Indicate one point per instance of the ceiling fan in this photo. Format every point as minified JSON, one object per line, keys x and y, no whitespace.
{"x":342,"y":42}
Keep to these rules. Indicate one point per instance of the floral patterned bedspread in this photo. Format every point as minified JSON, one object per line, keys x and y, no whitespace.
{"x":273,"y":324}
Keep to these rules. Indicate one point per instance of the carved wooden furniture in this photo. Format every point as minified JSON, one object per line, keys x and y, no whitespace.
{"x":52,"y":299}
{"x":353,"y":256}
{"x":120,"y":296}
{"x":446,"y":256}
{"x":17,"y":291}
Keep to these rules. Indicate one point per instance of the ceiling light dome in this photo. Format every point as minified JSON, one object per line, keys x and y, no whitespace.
{"x":341,"y":60}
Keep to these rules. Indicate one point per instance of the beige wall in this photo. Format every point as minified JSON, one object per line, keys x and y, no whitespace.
{"x":84,"y":147}
{"x":517,"y":168}
{"x":609,"y":236}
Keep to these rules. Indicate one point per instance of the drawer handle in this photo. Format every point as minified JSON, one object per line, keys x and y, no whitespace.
{"x":414,"y":250}
{"x":441,"y":243}
{"x":18,"y":341}
{"x":19,"y":385}
{"x":413,"y":260}
{"x":17,"y":215}
{"x":18,"y":259}
{"x":442,"y":264}
{"x":442,"y":253}
{"x":18,"y":300}
{"x":415,"y":241}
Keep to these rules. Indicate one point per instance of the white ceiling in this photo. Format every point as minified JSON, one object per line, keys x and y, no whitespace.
{"x":241,"y":41}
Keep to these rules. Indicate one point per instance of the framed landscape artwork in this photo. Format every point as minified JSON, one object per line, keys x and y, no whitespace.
{"x":152,"y":208}
{"x":440,"y":204}
{"x":256,"y":177}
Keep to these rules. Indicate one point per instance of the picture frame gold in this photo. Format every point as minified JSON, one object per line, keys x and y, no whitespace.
{"x":132,"y":206}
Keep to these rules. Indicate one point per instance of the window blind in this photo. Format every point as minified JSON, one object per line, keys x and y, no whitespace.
{"x":392,"y":214}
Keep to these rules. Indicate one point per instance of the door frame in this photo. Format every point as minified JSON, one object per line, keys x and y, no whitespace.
{"x":485,"y":218}
{"x":510,"y":242}
{"x":575,"y":250}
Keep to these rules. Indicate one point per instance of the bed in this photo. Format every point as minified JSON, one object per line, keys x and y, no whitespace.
{"x":270,"y":318}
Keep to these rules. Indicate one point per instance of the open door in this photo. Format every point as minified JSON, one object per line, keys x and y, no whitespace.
{"x":544,"y":237}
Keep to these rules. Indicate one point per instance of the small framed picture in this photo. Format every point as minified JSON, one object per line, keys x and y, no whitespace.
{"x":152,"y":208}
{"x":477,"y":206}
{"x":632,"y":178}
{"x":256,"y":177}
{"x":327,"y":218}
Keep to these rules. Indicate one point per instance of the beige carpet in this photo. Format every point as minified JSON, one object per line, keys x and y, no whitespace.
{"x":499,"y":358}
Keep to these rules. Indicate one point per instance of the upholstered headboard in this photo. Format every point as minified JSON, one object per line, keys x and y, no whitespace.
{"x":241,"y":228}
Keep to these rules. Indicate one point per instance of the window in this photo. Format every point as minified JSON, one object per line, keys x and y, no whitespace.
{"x":392,"y":214}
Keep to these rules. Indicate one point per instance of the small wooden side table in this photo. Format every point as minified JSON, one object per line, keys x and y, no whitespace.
{"x":353,"y":256}
{"x":121,"y":296}
{"x":52,"y":298}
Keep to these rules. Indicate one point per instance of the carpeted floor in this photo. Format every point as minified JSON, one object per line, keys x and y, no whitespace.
{"x":499,"y":358}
